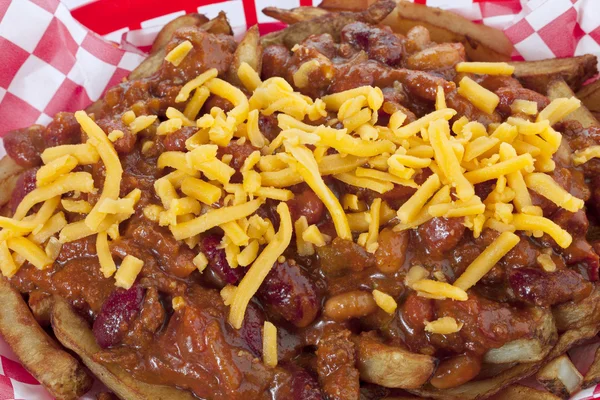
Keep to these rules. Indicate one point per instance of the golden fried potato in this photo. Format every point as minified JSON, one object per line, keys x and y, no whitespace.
{"x":523,"y":392}
{"x":482,"y":43}
{"x":167,"y":31}
{"x":574,"y":315}
{"x":249,"y":51}
{"x":593,"y":375}
{"x":349,"y":5}
{"x":560,"y":377}
{"x":152,"y":63}
{"x":294,"y":15}
{"x":392,"y":366}
{"x":73,"y":333}
{"x":330,"y":23}
{"x":590,"y":96}
{"x":537,"y":75}
{"x":527,"y":350}
{"x":61,"y":374}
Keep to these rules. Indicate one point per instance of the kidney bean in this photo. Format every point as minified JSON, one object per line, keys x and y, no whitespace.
{"x":306,"y":204}
{"x":25,"y":184}
{"x":441,"y":234}
{"x":25,"y":145}
{"x":391,"y":252}
{"x":251,"y":330}
{"x":455,"y":371}
{"x":542,"y":288}
{"x":353,"y":304}
{"x":118,"y":311}
{"x":218,"y":262}
{"x":303,"y":385}
{"x":290,"y":293}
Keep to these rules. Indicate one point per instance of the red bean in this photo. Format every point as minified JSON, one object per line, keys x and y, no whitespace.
{"x":542,"y":288}
{"x":306,"y":204}
{"x":251,"y":330}
{"x":304,"y":386}
{"x":455,"y":371}
{"x":289,"y":292}
{"x":218,"y":262}
{"x":118,"y":311}
{"x":442,"y":234}
{"x":25,"y":184}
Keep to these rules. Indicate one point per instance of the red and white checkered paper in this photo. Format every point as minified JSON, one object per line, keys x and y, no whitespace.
{"x":62,"y":55}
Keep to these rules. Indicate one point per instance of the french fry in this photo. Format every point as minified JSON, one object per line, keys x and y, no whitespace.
{"x":392,"y":366}
{"x":560,"y":377}
{"x":329,"y":23}
{"x":73,"y":333}
{"x":294,"y":15}
{"x":60,"y":373}
{"x":482,"y":43}
{"x":574,"y":315}
{"x":218,"y":24}
{"x":537,"y":75}
{"x":523,"y":392}
{"x":352,"y":5}
{"x":590,"y":96}
{"x":169,"y":29}
{"x":249,"y":51}
{"x":527,"y":350}
{"x":558,"y":88}
{"x":150,"y":65}
{"x":593,"y":375}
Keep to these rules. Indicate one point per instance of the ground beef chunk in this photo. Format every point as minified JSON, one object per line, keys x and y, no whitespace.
{"x":335,"y":365}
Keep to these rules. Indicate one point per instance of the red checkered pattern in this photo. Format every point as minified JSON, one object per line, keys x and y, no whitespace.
{"x":53,"y":61}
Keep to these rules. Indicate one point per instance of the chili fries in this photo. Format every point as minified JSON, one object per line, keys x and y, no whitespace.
{"x":381,"y":360}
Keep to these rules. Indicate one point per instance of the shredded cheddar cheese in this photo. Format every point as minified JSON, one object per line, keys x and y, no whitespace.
{"x":178,"y":54}
{"x":385,"y":301}
{"x":487,"y":68}
{"x":487,"y":260}
{"x":440,"y":289}
{"x":269,"y":344}
{"x":128,"y":271}
{"x":443,"y":326}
